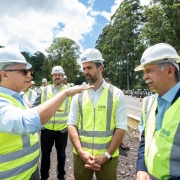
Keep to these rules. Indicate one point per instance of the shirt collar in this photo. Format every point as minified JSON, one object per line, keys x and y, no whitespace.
{"x":168,"y":96}
{"x":9,"y":92}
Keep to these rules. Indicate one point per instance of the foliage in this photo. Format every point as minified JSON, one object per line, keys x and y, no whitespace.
{"x":63,"y":52}
{"x":120,"y":44}
{"x":36,"y":61}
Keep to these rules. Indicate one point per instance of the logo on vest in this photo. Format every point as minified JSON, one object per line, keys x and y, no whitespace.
{"x":164,"y":133}
{"x":101,"y":107}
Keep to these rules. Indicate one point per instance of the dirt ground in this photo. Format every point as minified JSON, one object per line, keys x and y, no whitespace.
{"x":126,"y":167}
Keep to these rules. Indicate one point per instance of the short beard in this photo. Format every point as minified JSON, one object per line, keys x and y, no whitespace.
{"x":57,"y":82}
{"x":93,"y":79}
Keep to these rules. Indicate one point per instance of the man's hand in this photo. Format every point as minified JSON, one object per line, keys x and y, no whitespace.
{"x":90,"y":161}
{"x":77,"y":89}
{"x":96,"y":164}
{"x":142,"y":175}
{"x":101,"y":159}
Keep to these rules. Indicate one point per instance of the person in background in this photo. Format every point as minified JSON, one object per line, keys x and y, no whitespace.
{"x":44,"y":82}
{"x":108,"y":80}
{"x":158,"y":153}
{"x":122,"y":146}
{"x":30,"y":93}
{"x":19,"y":142}
{"x":32,"y":85}
{"x":96,"y":123}
{"x":55,"y":131}
{"x":65,"y":81}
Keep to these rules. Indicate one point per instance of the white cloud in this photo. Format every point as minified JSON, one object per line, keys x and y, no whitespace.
{"x":108,"y":15}
{"x":33,"y":24}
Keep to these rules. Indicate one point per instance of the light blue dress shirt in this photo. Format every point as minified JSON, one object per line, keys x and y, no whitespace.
{"x":164,"y":103}
{"x":14,"y":120}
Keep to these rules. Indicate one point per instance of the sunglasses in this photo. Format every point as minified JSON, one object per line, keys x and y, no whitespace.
{"x":22,"y":71}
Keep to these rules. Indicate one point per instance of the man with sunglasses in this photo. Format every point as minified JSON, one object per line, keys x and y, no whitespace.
{"x":55,"y":131}
{"x":19,"y":143}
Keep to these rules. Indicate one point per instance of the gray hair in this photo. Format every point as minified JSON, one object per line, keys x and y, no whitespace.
{"x":163,"y":66}
{"x":6,"y":66}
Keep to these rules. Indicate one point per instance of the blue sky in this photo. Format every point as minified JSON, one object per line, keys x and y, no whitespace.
{"x":32,"y":25}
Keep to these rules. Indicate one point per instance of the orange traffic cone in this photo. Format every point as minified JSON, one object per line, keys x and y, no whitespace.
{"x":140,"y":100}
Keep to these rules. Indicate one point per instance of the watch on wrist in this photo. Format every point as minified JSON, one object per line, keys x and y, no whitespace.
{"x":108,"y":156}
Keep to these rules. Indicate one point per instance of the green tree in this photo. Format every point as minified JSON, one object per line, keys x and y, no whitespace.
{"x":64,"y":52}
{"x":162,"y":23}
{"x":121,"y":45}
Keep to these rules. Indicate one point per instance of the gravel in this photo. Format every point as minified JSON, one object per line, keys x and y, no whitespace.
{"x":126,"y":167}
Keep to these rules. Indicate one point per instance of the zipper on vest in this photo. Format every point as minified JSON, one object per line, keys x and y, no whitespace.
{"x":93,"y":131}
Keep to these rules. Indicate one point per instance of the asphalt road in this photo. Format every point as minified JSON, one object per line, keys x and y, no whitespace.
{"x":134,"y":105}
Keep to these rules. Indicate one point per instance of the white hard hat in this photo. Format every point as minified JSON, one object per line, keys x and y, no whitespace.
{"x":10,"y":55}
{"x":44,"y":80}
{"x":93,"y":55}
{"x":57,"y":69}
{"x":65,"y":77}
{"x":32,"y":82}
{"x":71,"y":84}
{"x":159,"y":53}
{"x":84,"y":83}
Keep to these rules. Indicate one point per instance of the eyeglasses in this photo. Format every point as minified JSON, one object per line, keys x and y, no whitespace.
{"x":22,"y":71}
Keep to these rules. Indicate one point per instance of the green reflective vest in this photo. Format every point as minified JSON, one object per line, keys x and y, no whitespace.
{"x":19,"y":154}
{"x":29,"y":94}
{"x":162,"y":147}
{"x":97,"y":125}
{"x":59,"y":120}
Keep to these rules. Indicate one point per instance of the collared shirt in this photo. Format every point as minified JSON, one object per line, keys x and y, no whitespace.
{"x":120,"y":112}
{"x":14,"y":120}
{"x":164,"y":103}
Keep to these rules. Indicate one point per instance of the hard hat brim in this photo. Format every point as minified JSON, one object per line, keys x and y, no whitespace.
{"x":141,"y":67}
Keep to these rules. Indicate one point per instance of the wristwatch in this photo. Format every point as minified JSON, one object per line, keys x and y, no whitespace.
{"x":108,"y":156}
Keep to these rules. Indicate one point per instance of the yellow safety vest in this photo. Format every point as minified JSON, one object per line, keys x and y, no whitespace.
{"x":19,"y":154}
{"x":96,"y":126}
{"x":29,"y":94}
{"x":59,"y":120}
{"x":162,"y":157}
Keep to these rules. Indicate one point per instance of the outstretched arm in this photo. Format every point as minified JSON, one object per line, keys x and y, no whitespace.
{"x":47,"y":109}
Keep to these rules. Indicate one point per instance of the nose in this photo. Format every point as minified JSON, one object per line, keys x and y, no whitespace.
{"x":86,"y":71}
{"x":145,"y":76}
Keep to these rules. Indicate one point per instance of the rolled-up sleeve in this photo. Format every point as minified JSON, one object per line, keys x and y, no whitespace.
{"x":121,"y":112}
{"x":74,"y":113}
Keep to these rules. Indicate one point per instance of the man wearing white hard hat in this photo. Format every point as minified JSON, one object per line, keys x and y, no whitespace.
{"x":55,"y":131}
{"x":19,"y":141}
{"x":96,"y":123}
{"x":44,"y":83}
{"x":158,"y":153}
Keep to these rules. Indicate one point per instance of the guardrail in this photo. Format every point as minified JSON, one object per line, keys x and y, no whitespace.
{"x":133,"y":122}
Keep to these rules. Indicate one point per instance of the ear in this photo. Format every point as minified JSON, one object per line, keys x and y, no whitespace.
{"x":171,"y":71}
{"x":4,"y":75}
{"x":101,"y":68}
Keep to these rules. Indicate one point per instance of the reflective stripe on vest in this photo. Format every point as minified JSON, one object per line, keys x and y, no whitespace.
{"x":162,"y":157}
{"x":19,"y":155}
{"x":96,"y":135}
{"x":59,"y":120}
